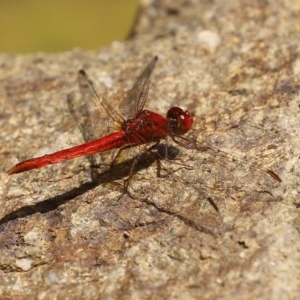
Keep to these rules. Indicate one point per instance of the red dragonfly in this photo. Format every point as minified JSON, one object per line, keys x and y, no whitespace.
{"x":140,"y":126}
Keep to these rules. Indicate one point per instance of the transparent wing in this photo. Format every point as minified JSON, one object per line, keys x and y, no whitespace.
{"x":89,"y":91}
{"x":137,"y":96}
{"x":94,"y":117}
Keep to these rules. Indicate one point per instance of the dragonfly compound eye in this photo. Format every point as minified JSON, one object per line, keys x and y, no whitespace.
{"x":179,"y":121}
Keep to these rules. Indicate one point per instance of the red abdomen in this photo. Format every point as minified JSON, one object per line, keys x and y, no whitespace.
{"x":111,"y":141}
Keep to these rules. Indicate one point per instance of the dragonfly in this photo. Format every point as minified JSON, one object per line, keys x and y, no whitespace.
{"x":137,"y":126}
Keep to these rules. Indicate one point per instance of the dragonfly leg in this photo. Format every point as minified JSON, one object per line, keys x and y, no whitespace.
{"x":168,"y":153}
{"x":115,"y":160}
{"x":133,"y":166}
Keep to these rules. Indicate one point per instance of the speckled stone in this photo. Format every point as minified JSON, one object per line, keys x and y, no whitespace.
{"x":216,"y":225}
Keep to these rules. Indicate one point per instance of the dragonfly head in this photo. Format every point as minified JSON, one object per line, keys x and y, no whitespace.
{"x":179,"y":121}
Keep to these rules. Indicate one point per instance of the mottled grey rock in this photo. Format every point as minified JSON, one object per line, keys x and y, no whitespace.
{"x":217,"y":225}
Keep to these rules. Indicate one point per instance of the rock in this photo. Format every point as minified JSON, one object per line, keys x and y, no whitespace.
{"x":219,"y":223}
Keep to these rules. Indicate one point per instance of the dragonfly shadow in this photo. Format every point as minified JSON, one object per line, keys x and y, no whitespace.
{"x":119,"y":171}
